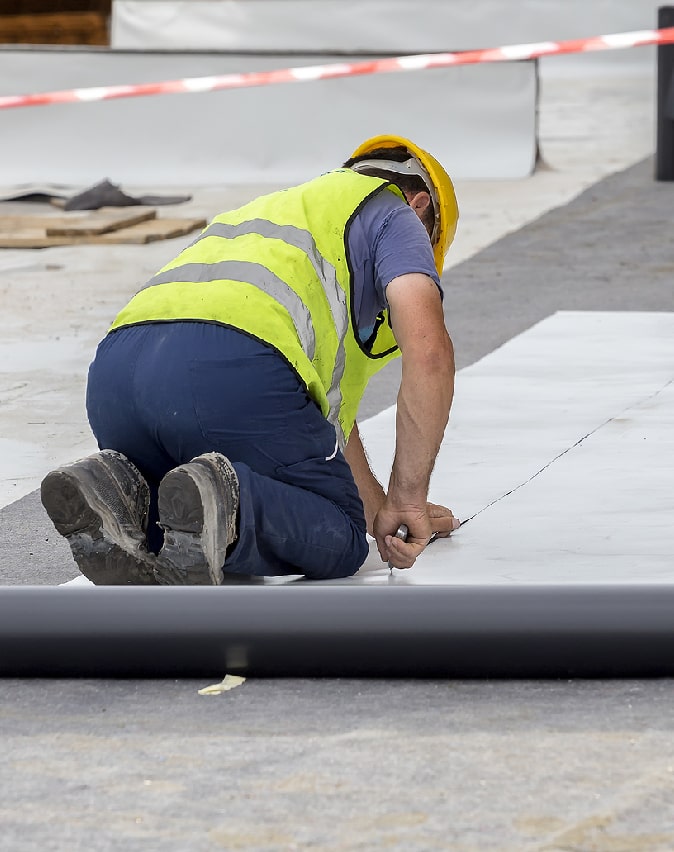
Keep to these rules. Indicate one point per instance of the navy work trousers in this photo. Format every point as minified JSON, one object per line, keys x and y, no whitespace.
{"x":163,"y":393}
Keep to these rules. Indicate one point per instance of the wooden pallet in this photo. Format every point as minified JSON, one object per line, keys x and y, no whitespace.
{"x":109,"y":225}
{"x":53,"y":7}
{"x":88,"y":28}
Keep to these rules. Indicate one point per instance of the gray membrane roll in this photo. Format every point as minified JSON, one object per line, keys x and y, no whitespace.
{"x":323,"y":630}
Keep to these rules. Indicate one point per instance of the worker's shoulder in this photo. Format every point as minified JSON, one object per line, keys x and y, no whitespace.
{"x":380,"y":207}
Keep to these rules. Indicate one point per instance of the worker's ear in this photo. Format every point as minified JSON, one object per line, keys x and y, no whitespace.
{"x":418,"y":201}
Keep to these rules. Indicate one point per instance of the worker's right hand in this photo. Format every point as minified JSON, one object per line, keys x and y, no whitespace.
{"x":423,"y":523}
{"x":402,"y":554}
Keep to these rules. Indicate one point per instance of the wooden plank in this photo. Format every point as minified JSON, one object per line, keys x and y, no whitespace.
{"x":151,"y":231}
{"x":32,"y":239}
{"x":103,"y":221}
{"x":77,"y":224}
{"x":144,"y":232}
{"x":11,"y":224}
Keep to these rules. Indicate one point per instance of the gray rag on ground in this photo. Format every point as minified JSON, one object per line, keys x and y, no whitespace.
{"x":106,"y":194}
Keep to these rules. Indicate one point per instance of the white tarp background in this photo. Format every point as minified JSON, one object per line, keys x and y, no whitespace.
{"x":407,"y":26}
{"x":479,"y":121}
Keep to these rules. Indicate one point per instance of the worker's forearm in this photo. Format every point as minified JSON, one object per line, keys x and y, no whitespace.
{"x":424,"y":402}
{"x":371,"y":492}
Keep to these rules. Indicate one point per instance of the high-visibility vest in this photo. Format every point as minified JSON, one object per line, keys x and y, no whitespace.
{"x":279,"y":270}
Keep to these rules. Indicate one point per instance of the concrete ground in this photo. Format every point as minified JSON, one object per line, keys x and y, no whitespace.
{"x":346,"y":764}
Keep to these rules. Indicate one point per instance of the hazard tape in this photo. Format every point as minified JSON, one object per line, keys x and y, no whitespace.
{"x":418,"y":62}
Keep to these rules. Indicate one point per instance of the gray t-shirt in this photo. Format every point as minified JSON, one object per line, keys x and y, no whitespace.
{"x":386,"y":239}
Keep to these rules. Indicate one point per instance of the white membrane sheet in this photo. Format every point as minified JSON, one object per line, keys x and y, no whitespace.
{"x":560,"y":451}
{"x":562,"y":442}
{"x":281,"y":133}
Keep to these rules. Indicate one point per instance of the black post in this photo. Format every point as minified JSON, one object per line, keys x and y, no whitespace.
{"x":664,"y":151}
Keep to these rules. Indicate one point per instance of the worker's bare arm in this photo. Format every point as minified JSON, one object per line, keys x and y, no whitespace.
{"x":424,"y":401}
{"x":370,"y":490}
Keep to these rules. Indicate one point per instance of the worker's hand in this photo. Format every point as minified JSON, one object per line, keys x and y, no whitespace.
{"x":423,"y":523}
{"x":442,"y":520}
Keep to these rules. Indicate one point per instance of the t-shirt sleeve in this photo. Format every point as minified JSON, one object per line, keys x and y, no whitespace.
{"x":401,"y":247}
{"x":386,"y":239}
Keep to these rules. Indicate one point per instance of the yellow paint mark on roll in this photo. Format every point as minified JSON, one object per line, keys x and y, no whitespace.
{"x":228,"y":682}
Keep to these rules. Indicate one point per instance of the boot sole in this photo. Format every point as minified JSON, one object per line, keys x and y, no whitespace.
{"x":106,"y":554}
{"x":195,"y":543}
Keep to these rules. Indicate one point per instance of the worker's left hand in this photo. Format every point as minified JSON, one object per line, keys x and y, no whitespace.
{"x":442,"y":520}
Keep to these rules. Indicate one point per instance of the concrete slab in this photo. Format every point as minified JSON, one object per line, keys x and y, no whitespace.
{"x":338,"y":764}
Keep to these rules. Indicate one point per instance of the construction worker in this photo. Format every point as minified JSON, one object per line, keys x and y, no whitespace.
{"x":224,"y":396}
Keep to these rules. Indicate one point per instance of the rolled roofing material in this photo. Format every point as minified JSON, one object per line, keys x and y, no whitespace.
{"x":319,"y":630}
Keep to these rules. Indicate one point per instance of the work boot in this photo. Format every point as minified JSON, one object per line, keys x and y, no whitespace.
{"x":198,"y":505}
{"x":100,"y":505}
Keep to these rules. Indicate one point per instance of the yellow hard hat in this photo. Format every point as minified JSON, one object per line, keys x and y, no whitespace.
{"x":440,"y":187}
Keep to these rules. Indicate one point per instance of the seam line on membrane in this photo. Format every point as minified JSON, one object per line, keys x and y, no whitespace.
{"x":567,"y":450}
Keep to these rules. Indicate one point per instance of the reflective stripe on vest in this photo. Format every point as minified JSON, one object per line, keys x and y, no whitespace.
{"x":260,"y":276}
{"x":251,"y":273}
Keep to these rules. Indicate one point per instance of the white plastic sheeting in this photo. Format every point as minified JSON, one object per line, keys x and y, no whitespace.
{"x":566,"y":434}
{"x":479,"y":121}
{"x":375,"y":25}
{"x":561,"y":445}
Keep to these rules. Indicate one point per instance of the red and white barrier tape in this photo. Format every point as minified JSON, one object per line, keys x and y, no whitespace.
{"x":417,"y":62}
